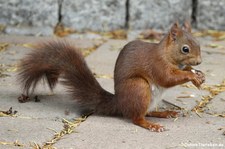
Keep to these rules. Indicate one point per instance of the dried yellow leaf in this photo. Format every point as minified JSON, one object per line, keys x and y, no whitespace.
{"x":213,"y":91}
{"x":12,"y":69}
{"x":187,"y":96}
{"x":16,"y":143}
{"x":213,"y":45}
{"x":62,"y":31}
{"x":116,"y":34}
{"x":27,"y":45}
{"x":151,"y":35}
{"x":3,"y":46}
{"x":216,"y":34}
{"x":88,"y":51}
{"x":108,"y":76}
{"x":68,"y":128}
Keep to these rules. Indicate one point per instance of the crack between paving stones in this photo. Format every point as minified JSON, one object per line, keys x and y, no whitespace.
{"x":127,"y":14}
{"x":194,"y":13}
{"x":60,"y":11}
{"x":214,"y":90}
{"x":69,"y":127}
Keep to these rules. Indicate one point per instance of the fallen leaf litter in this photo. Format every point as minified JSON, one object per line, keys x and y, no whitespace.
{"x":9,"y":112}
{"x":16,"y":143}
{"x":68,"y":128}
{"x":213,"y":90}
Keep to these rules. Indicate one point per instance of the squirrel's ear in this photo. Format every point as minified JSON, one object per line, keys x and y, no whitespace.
{"x":174,"y":31}
{"x":187,"y":26}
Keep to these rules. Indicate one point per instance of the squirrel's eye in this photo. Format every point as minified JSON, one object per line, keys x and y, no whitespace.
{"x":185,"y":49}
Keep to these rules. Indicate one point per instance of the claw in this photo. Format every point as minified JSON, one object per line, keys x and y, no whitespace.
{"x":172,"y":114}
{"x":156,"y":128}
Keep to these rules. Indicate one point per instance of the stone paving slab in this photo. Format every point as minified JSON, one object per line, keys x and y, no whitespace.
{"x":58,"y":102}
{"x":28,"y":130}
{"x":36,"y":116}
{"x":111,"y":132}
{"x":103,"y":60}
{"x":99,"y":132}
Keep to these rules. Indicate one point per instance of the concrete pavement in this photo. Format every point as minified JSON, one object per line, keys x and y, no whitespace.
{"x":36,"y":121}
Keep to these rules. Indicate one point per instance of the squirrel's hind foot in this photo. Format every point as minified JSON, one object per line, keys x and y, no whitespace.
{"x":148,"y":125}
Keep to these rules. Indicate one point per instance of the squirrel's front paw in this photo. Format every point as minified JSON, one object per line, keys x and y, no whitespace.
{"x":201,"y":75}
{"x":198,"y":78}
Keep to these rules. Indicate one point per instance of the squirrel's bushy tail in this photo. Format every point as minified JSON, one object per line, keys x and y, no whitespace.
{"x":50,"y":60}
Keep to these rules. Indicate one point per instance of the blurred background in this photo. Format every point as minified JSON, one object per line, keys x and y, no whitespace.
{"x":63,"y":17}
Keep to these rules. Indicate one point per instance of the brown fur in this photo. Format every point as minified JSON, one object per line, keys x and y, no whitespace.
{"x":142,"y":64}
{"x":139,"y":65}
{"x":50,"y":60}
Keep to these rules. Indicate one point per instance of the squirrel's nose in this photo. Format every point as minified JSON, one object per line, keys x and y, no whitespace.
{"x":199,"y":60}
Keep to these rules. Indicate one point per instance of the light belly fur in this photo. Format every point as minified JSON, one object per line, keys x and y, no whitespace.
{"x":156,"y":97}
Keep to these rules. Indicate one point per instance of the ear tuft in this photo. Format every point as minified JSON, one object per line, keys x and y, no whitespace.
{"x":174,"y":31}
{"x":187,"y":26}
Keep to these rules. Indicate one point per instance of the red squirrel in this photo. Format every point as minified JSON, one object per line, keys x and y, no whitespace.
{"x":141,"y":67}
